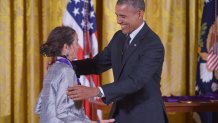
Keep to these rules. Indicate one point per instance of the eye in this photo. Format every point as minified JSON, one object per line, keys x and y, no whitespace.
{"x":122,"y":16}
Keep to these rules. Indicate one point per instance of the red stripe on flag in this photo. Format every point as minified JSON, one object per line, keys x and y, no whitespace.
{"x":212,"y":61}
{"x":80,"y":54}
{"x":88,"y":108}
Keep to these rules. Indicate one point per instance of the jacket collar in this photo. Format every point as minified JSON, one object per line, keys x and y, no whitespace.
{"x":133,"y":46}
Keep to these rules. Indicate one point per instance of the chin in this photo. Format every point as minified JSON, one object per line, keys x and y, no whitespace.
{"x":124,"y":32}
{"x":74,"y":58}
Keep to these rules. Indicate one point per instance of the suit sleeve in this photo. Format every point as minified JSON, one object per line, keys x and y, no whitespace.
{"x":148,"y":67}
{"x":100,"y":63}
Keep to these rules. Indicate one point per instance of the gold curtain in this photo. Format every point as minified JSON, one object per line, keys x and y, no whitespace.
{"x":25,"y":24}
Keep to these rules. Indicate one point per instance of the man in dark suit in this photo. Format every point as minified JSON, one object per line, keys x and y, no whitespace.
{"x":136,"y":57}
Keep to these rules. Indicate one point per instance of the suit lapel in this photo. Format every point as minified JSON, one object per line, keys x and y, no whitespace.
{"x":133,"y":46}
{"x":120,"y":50}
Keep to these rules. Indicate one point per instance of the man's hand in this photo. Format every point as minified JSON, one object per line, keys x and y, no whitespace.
{"x":79,"y":92}
{"x":104,"y":121}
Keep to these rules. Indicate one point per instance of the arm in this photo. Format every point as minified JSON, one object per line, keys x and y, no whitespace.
{"x":100,"y":63}
{"x":66,"y":109}
{"x":146,"y":69}
{"x":37,"y":108}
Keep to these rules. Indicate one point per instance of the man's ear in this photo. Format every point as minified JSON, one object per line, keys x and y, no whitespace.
{"x":141,"y":14}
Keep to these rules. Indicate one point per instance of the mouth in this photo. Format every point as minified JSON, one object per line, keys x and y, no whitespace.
{"x":123,"y":27}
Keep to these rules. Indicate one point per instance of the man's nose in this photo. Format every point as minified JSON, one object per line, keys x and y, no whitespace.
{"x":119,"y":20}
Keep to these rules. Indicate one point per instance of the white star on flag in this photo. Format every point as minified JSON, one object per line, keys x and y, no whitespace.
{"x":76,"y":11}
{"x":92,"y":14}
{"x":90,"y":26}
{"x":76,"y":1}
{"x":83,"y":24}
{"x":83,"y":12}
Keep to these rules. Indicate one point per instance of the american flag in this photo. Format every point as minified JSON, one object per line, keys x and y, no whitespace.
{"x":80,"y":16}
{"x":206,"y":79}
{"x":212,"y":59}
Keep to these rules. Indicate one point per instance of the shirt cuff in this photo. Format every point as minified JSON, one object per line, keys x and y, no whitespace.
{"x":101,"y":90}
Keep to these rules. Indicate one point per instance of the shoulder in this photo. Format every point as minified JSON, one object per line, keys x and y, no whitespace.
{"x":61,"y":68}
{"x":150,"y":40}
{"x":150,"y":37}
{"x":118,"y":34}
{"x":63,"y":74}
{"x":149,"y":33}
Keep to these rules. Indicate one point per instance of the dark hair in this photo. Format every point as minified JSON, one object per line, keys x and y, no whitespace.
{"x":56,"y":40}
{"x":140,"y":4}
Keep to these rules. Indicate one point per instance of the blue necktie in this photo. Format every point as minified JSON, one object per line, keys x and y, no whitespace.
{"x":126,"y":45}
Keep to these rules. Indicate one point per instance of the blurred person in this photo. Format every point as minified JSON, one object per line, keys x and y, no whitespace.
{"x":53,"y":105}
{"x":135,"y":54}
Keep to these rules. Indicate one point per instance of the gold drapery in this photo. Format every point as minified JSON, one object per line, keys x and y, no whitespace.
{"x":25,"y":24}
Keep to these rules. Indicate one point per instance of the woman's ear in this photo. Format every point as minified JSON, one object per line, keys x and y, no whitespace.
{"x":65,"y":49}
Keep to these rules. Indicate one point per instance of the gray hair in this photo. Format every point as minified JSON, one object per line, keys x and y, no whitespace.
{"x":140,"y":4}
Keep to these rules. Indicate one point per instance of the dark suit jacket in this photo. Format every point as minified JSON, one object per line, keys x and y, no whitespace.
{"x":137,"y":73}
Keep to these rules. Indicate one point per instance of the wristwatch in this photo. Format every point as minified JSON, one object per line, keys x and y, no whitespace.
{"x":99,"y":93}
